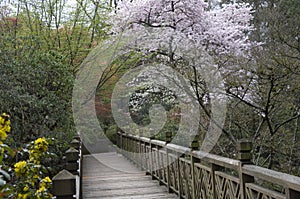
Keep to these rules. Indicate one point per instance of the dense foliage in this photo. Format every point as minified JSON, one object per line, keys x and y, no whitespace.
{"x":42,"y":44}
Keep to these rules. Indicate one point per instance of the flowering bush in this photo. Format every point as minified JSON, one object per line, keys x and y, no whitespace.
{"x":4,"y":127}
{"x":31,"y":184}
{"x":4,"y":176}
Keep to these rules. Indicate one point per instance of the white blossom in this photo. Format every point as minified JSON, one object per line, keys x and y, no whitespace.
{"x":164,"y":24}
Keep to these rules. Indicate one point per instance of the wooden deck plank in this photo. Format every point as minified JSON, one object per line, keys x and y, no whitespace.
{"x":114,"y":177}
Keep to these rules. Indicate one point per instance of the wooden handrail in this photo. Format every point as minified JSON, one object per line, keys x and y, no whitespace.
{"x":178,"y":149}
{"x":276,"y":177}
{"x":216,"y":159}
{"x":196,"y":174}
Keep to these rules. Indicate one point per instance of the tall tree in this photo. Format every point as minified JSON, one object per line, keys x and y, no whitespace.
{"x":270,"y":85}
{"x":169,"y":29}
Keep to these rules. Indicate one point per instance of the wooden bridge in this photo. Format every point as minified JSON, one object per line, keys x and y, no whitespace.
{"x":142,"y":168}
{"x":112,"y":176}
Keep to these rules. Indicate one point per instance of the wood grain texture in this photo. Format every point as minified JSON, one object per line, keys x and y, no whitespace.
{"x":110,"y":175}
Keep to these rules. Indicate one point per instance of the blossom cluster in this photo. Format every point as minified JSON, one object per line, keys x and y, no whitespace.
{"x":20,"y":168}
{"x":40,"y":146}
{"x":4,"y":126}
{"x":153,"y":25}
{"x":29,"y":173}
{"x":41,"y":193}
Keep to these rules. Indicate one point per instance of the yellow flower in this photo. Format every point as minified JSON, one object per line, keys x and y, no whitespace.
{"x":3,"y":134}
{"x":7,"y":122}
{"x":3,"y":118}
{"x":34,"y":156}
{"x":25,"y":189}
{"x":4,"y":126}
{"x":23,"y":196}
{"x":47,"y":180}
{"x":41,"y":144}
{"x":41,"y":189}
{"x":20,"y":167}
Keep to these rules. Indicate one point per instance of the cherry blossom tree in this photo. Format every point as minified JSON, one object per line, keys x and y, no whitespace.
{"x":161,"y":25}
{"x":176,"y":30}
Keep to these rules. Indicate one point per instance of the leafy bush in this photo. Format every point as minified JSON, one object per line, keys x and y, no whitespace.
{"x":31,"y":180}
{"x":39,"y":91}
{"x":31,"y":175}
{"x":4,"y":176}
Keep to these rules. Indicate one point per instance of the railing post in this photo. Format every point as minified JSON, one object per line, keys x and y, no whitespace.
{"x":77,"y":136}
{"x":160,"y":166}
{"x":179,"y":180}
{"x":195,"y":142}
{"x":148,"y":158}
{"x":168,"y":139}
{"x":118,"y":139}
{"x":214,"y":168}
{"x":136,"y":151}
{"x":121,"y":141}
{"x":72,"y":156}
{"x":125,"y":145}
{"x":75,"y":143}
{"x":244,"y":148}
{"x":64,"y":185}
{"x":292,"y":194}
{"x":68,"y":183}
{"x":140,"y":153}
{"x":194,"y":146}
{"x":151,"y":157}
{"x":128,"y":146}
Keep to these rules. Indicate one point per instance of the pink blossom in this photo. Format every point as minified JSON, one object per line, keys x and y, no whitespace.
{"x":165,"y":24}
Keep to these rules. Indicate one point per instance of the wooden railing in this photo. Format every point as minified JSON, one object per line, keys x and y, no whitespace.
{"x":194,"y":174}
{"x":67,"y":184}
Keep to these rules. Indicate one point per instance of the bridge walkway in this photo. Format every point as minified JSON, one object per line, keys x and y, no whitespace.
{"x":110,"y":175}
